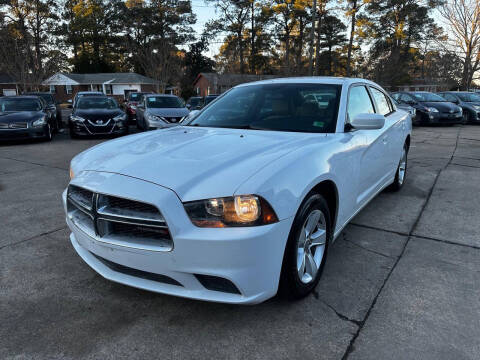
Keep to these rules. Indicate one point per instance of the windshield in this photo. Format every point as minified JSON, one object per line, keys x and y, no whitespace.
{"x":20,"y":105}
{"x":48,"y":98}
{"x":194,"y":102}
{"x":87,"y":102}
{"x":426,"y":96}
{"x":135,"y":96}
{"x":163,"y":102}
{"x":278,"y":107}
{"x":469,"y":97}
{"x":209,"y":99}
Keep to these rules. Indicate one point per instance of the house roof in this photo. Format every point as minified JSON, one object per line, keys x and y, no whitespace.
{"x":231,"y":79}
{"x":6,"y":79}
{"x":101,"y":78}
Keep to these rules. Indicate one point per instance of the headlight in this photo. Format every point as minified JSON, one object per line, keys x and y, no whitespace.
{"x":154,"y":118}
{"x":244,"y":210}
{"x":121,"y":117}
{"x":431,"y":109}
{"x":39,"y":122}
{"x":77,"y":119}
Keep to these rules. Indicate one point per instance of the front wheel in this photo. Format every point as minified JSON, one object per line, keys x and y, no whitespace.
{"x":401,"y":171}
{"x":306,"y":249}
{"x":48,"y":133}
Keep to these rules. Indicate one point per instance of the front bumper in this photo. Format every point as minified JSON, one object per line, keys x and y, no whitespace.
{"x":89,"y":129}
{"x":444,"y":118}
{"x":250,"y":258}
{"x":19,"y":134}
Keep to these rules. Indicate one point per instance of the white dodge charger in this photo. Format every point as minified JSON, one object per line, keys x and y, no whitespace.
{"x":244,"y":199}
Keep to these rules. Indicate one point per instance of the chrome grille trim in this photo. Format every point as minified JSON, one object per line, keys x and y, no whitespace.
{"x":139,"y":225}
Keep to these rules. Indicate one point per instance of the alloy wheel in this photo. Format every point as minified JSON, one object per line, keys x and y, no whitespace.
{"x":311,"y":246}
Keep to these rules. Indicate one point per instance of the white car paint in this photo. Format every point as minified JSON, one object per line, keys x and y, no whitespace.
{"x":169,"y":167}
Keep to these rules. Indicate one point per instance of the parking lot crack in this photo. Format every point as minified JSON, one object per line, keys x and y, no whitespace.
{"x":33,"y":237}
{"x":340,"y":315}
{"x":33,"y":163}
{"x":366,"y":249}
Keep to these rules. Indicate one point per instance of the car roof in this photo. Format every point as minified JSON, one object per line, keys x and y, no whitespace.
{"x":311,"y":80}
{"x":90,"y":92}
{"x":162,"y":95}
{"x":23,"y":97}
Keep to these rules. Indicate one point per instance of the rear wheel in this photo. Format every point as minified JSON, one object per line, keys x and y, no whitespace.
{"x":306,"y":249}
{"x":401,"y":170}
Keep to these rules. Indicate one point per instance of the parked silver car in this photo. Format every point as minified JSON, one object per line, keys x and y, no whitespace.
{"x":160,"y":111}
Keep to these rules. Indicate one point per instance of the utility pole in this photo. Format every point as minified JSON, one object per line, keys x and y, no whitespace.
{"x":312,"y":36}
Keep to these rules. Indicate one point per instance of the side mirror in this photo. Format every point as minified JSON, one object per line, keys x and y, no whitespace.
{"x":188,"y":106}
{"x":368,"y":122}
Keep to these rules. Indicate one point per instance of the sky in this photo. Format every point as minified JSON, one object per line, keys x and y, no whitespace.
{"x":205,"y":12}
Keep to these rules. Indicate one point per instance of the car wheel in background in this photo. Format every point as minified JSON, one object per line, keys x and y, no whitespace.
{"x":49,"y":133}
{"x":306,"y":249}
{"x":401,"y":173}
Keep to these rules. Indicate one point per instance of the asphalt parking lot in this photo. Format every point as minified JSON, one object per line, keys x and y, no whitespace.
{"x":401,"y":282}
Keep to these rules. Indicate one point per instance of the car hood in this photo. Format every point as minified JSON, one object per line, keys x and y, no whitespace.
{"x":169,"y":112}
{"x":97,"y":114}
{"x":20,"y":116}
{"x":441,"y":106}
{"x":196,"y":163}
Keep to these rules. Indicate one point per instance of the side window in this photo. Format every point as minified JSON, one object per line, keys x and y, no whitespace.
{"x":405,"y":98}
{"x":381,"y":101}
{"x":359,"y":102}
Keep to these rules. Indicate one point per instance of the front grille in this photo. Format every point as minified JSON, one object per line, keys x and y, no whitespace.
{"x":105,"y":128}
{"x":117,"y":220}
{"x":173,"y":119}
{"x":17,"y":125}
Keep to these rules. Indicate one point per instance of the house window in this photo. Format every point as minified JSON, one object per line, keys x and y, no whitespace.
{"x":108,"y":89}
{"x":198,"y":90}
{"x":68,"y":89}
{"x":208,"y":90}
{"x":52,"y":89}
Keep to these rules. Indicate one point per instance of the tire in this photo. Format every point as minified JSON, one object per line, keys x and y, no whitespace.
{"x":401,"y":173}
{"x":48,"y":133}
{"x":298,"y":277}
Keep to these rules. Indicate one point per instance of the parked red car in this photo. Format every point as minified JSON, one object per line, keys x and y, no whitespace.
{"x":131,"y":103}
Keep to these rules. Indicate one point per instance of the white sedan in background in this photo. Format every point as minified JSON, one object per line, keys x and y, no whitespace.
{"x":243,"y":199}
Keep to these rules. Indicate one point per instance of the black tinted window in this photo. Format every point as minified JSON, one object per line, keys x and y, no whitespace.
{"x":281,"y":107}
{"x":12,"y":104}
{"x":87,"y":102}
